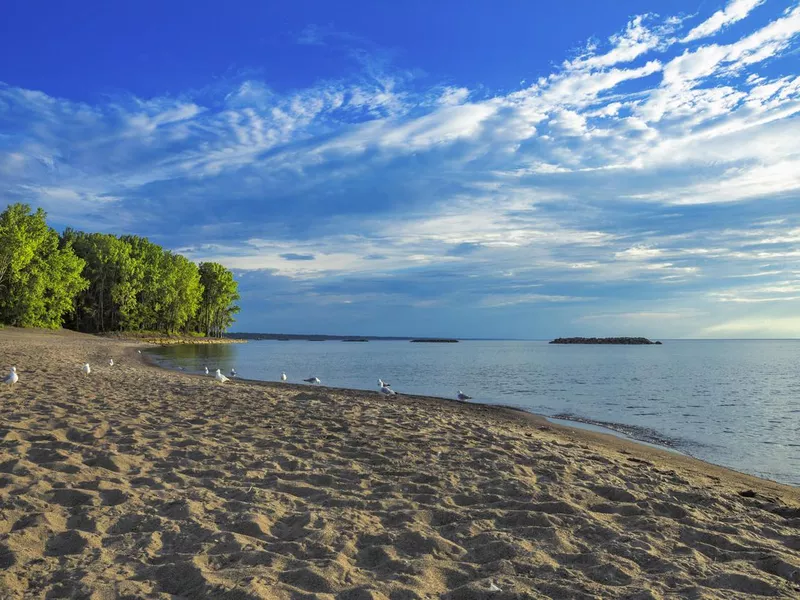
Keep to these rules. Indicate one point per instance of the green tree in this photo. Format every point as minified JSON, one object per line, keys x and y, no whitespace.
{"x":39,"y":278}
{"x":109,"y":303}
{"x":108,"y":283}
{"x":148,"y":258}
{"x":181,"y":292}
{"x":220,"y":291}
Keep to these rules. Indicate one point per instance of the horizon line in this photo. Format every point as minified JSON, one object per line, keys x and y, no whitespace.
{"x":500,"y":339}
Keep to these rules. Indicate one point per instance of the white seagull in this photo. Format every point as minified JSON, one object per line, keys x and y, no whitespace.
{"x":233,"y":372}
{"x":206,"y":370}
{"x":462,"y":396}
{"x":110,"y":362}
{"x":493,"y":587}
{"x":220,"y":377}
{"x":283,"y":376}
{"x":12,"y":377}
{"x":312,"y":380}
{"x":139,"y":351}
{"x":382,"y":383}
{"x":387,"y":391}
{"x":86,"y":368}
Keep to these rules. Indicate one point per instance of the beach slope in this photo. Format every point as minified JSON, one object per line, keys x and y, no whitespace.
{"x":138,"y":482}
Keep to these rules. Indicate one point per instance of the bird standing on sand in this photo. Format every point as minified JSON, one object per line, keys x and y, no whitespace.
{"x":110,"y":362}
{"x":86,"y":368}
{"x":283,"y":376}
{"x":206,"y":370}
{"x":233,"y":372}
{"x":387,"y":391}
{"x":382,"y":383}
{"x":12,"y":377}
{"x":314,"y":380}
{"x":462,"y":396}
{"x":220,"y":377}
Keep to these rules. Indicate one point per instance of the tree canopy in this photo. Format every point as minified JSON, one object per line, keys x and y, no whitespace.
{"x":220,"y":291}
{"x":39,"y":277}
{"x":97,"y":282}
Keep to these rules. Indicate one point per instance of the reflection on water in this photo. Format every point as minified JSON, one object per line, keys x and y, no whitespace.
{"x":735,"y":403}
{"x":198,"y":354}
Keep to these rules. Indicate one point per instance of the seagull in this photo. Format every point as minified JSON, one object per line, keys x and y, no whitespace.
{"x":493,"y":587}
{"x":312,"y":380}
{"x":283,"y":376}
{"x":220,"y":377}
{"x":206,"y":370}
{"x":86,"y":368}
{"x":382,"y":383}
{"x":110,"y":362}
{"x":139,"y":351}
{"x":387,"y":391}
{"x":233,"y":372}
{"x":12,"y":377}
{"x":462,"y":396}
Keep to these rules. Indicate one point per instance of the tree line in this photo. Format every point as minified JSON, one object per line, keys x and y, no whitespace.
{"x":98,"y":282}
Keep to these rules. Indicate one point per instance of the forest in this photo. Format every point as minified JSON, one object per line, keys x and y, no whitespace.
{"x":100,"y":283}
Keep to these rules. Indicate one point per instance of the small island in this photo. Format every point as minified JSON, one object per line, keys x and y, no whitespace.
{"x":629,"y":341}
{"x":435,"y":341}
{"x":355,"y":340}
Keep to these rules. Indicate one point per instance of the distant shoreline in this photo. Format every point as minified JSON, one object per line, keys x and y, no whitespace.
{"x":287,"y":337}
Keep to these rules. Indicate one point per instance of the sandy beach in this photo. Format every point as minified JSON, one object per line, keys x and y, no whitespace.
{"x":138,"y":482}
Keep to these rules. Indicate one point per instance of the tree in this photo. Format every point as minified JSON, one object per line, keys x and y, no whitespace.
{"x":109,"y":302}
{"x":108,"y":283}
{"x":182,"y":292}
{"x":39,"y":278}
{"x":149,"y":263}
{"x":220,"y":291}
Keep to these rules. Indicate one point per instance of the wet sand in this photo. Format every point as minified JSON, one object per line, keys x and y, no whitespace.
{"x":138,"y":482}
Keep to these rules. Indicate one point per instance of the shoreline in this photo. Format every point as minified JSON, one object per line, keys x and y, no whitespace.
{"x":612,"y":438}
{"x":577,"y":424}
{"x":167,"y":340}
{"x":143,"y":481}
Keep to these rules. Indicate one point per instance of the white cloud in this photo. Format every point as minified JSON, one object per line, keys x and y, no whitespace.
{"x":635,"y":41}
{"x":639,"y":253}
{"x":734,"y":11}
{"x":493,"y":301}
{"x":736,"y":184}
{"x":644,"y":315}
{"x":765,"y":326}
{"x":453,"y":95}
{"x":760,"y":45}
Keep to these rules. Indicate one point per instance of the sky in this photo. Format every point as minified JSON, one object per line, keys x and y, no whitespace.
{"x":505,"y":169}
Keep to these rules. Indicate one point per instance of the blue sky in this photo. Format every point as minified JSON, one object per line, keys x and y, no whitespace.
{"x":473,"y":169}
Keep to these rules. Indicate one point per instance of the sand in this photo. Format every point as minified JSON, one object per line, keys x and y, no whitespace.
{"x":137,"y":482}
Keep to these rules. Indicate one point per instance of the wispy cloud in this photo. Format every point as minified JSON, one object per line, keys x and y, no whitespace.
{"x":768,"y":326}
{"x":734,"y":11}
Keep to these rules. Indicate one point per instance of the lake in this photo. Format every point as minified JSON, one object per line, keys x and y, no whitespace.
{"x":735,"y":403}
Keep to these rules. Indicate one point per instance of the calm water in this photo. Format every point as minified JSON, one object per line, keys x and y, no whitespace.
{"x":734,"y":403}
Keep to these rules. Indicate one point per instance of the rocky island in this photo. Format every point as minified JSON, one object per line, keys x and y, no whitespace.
{"x":630,"y":341}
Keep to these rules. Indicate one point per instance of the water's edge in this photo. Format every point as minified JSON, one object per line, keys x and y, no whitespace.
{"x":638,"y":435}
